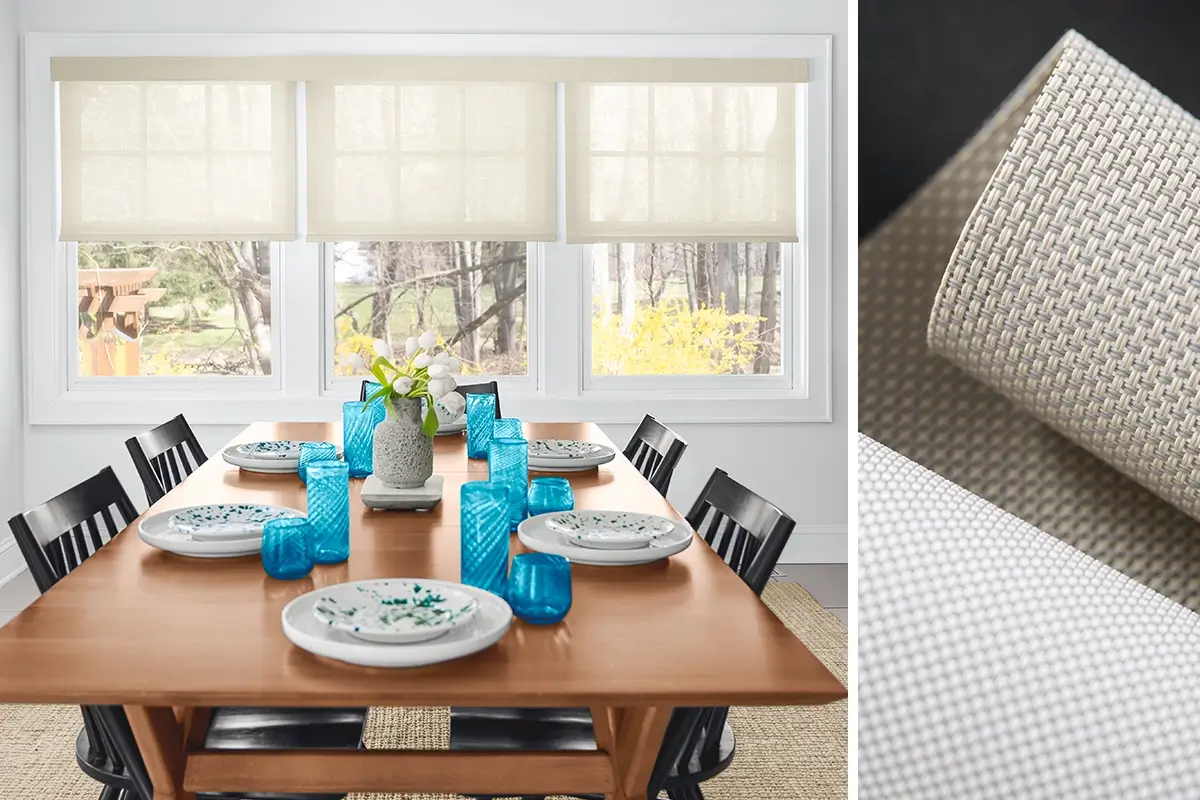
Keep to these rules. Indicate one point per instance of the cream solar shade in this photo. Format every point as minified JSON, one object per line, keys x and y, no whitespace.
{"x":431,"y":160}
{"x":177,"y":160}
{"x":660,"y":161}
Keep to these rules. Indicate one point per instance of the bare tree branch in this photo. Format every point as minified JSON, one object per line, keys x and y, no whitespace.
{"x":488,"y":313}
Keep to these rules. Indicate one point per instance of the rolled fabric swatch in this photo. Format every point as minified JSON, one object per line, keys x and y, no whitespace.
{"x":1074,"y":289}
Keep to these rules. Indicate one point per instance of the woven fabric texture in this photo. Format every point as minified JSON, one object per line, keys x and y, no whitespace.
{"x":783,"y":753}
{"x":922,"y":406}
{"x":997,"y":661}
{"x":1075,"y":289}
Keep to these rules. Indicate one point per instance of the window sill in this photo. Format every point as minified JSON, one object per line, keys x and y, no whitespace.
{"x":144,"y":409}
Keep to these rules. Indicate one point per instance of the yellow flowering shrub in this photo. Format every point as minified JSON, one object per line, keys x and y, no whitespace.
{"x":671,"y":339}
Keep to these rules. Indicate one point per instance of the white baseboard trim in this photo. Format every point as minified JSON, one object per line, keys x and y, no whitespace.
{"x":11,"y":562}
{"x":817,"y":544}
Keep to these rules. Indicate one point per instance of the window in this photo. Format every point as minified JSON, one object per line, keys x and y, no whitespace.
{"x":694,"y":308}
{"x":472,"y":294}
{"x":174,"y":308}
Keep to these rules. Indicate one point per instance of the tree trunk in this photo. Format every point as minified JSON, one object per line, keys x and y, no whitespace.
{"x":251,"y":291}
{"x":601,"y":279}
{"x":689,"y":277}
{"x":769,"y":309}
{"x":466,"y":302}
{"x":704,"y":287}
{"x":627,"y":287}
{"x":727,"y":276}
{"x":381,"y":304}
{"x":504,"y":279}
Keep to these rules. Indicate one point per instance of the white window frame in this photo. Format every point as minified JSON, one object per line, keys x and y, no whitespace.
{"x":559,"y":385}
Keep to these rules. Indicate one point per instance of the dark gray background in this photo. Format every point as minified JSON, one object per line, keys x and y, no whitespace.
{"x":932,"y":71}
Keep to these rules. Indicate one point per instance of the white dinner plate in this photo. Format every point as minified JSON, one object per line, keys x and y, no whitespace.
{"x":534,"y":534}
{"x":562,"y":449}
{"x":267,"y":466}
{"x":395,"y":610}
{"x":603,"y":455}
{"x":452,"y":428}
{"x":279,"y":450}
{"x":483,"y":630}
{"x":608,"y":530}
{"x":156,"y":531}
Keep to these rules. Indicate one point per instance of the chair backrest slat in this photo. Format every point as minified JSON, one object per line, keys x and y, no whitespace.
{"x":161,"y":456}
{"x":655,"y":450}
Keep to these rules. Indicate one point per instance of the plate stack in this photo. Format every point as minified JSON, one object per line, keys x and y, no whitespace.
{"x":396,"y":622}
{"x":268,"y":457}
{"x":605,"y":538}
{"x":567,"y":455}
{"x":226,"y":530}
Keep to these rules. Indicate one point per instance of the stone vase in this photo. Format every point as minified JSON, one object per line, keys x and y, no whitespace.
{"x":403,"y":456}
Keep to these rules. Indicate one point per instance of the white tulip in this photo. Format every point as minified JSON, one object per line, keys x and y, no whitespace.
{"x":382,"y":349}
{"x":437,"y":370}
{"x":354,"y":361}
{"x":411,"y":346}
{"x":402,"y":385}
{"x":422,"y":360}
{"x":427,"y":339}
{"x":440,"y":387}
{"x":442,"y":358}
{"x":454,"y":364}
{"x":454,"y":402}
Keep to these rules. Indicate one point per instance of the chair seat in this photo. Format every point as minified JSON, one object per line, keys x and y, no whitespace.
{"x":284,"y":729}
{"x":563,"y":729}
{"x":100,"y":768}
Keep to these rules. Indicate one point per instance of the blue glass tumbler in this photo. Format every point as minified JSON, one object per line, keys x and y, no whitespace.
{"x":507,"y":428}
{"x":311,"y":452}
{"x":358,"y":435}
{"x":481,"y":415}
{"x":483,"y":525}
{"x":329,"y":510}
{"x":508,"y":463}
{"x":287,"y":548}
{"x":549,"y":495}
{"x":539,"y":587}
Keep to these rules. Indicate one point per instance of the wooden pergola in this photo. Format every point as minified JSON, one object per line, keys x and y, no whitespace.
{"x":115,"y":300}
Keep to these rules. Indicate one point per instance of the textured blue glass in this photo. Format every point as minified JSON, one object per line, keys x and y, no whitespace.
{"x":508,"y":463}
{"x":539,"y":588}
{"x":483,"y":525}
{"x":358,"y":435}
{"x":507,"y":428}
{"x":548,"y":495}
{"x":329,"y":510}
{"x":314,"y":451}
{"x":287,"y":548}
{"x":481,"y":415}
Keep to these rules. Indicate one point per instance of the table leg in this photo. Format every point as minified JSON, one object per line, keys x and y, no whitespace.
{"x":160,"y":739}
{"x":638,"y":738}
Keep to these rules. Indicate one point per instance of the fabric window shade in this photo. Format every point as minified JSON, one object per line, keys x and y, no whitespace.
{"x":431,"y":160}
{"x":681,"y":162}
{"x":177,"y":160}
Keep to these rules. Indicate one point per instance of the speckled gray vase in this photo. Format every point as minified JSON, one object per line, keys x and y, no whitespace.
{"x":403,"y":455}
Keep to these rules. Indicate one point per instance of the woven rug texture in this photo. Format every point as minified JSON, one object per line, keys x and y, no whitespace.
{"x":783,"y":753}
{"x":929,"y":410}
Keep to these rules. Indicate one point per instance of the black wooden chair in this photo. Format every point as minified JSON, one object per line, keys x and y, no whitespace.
{"x":56,"y":538}
{"x":161,"y":456}
{"x":475,"y":388}
{"x":749,"y":533}
{"x":655,"y":450}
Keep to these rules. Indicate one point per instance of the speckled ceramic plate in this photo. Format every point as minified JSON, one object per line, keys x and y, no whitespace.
{"x":534,"y":534}
{"x":608,"y":530}
{"x":561,"y":448}
{"x":484,"y":629}
{"x":155,"y":530}
{"x":227,"y":520}
{"x":602,"y":455}
{"x":283,"y":450}
{"x":394,"y":611}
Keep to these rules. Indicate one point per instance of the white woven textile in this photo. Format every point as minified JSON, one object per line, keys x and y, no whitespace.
{"x":997,"y":661}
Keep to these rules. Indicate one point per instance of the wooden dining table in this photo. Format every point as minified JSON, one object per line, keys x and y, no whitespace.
{"x":170,"y":637}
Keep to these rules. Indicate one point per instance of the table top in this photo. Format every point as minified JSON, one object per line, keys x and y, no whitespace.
{"x":137,"y":626}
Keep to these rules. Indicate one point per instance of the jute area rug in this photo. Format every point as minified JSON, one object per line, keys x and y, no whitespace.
{"x":789,"y":753}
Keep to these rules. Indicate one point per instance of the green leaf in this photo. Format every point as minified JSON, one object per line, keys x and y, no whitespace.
{"x":385,"y":363}
{"x":431,"y":421}
{"x":380,"y":375}
{"x":379,"y":394}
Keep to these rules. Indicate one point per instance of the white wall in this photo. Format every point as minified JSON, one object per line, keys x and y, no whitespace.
{"x":801,"y":467}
